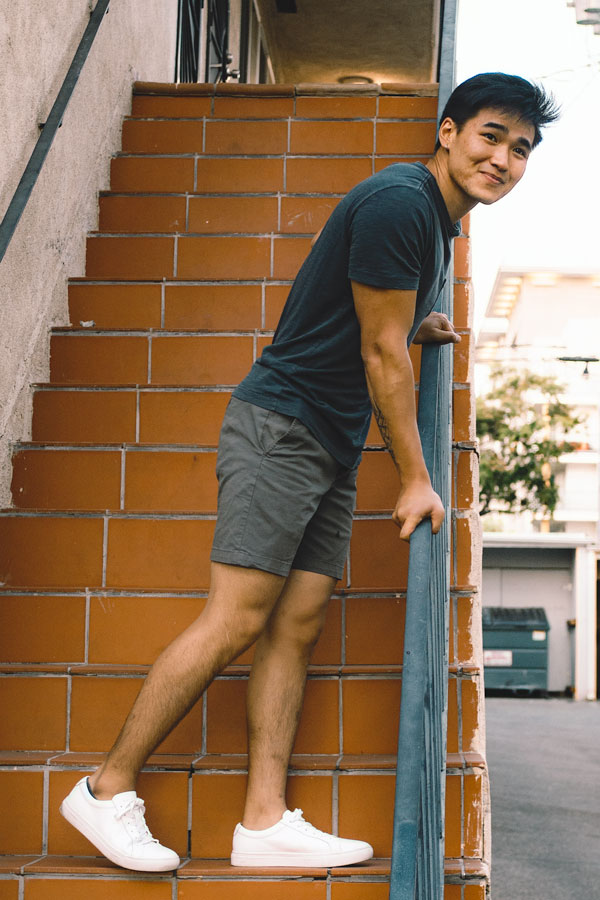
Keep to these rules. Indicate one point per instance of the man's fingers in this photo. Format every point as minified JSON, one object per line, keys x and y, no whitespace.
{"x":436,"y":520}
{"x":408,"y":526}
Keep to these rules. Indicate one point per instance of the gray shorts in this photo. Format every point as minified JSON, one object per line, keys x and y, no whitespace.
{"x":284,"y":501}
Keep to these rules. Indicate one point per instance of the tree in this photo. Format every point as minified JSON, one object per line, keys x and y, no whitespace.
{"x":521,"y":425}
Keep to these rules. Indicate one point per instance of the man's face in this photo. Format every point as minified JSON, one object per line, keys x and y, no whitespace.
{"x":488,"y":155}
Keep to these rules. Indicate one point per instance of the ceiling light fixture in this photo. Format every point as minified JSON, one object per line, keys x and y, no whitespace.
{"x":355,"y":79}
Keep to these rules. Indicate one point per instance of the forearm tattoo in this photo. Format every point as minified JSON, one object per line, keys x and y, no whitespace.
{"x":384,"y":429}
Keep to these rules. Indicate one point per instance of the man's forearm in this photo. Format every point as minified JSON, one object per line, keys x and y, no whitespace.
{"x":390,"y":380}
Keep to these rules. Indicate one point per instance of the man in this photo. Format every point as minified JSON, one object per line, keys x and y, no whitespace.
{"x":290,"y":445}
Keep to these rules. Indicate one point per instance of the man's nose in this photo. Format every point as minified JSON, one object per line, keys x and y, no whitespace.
{"x":499,"y":157}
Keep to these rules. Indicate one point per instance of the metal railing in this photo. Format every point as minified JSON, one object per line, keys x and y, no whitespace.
{"x":52,"y":124}
{"x":187,"y":50}
{"x":417,"y":871}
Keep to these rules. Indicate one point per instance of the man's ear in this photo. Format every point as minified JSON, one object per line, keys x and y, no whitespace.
{"x":447,"y":131}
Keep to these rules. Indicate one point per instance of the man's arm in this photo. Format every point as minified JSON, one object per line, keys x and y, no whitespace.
{"x":385,"y":318}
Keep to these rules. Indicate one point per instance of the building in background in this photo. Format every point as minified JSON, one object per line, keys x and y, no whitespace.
{"x":547,"y":322}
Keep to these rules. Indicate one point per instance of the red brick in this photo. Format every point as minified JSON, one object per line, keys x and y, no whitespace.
{"x":115,"y":305}
{"x":171,"y":482}
{"x":223,"y":258}
{"x":213,"y":307}
{"x":331,"y":138}
{"x":141,"y":136}
{"x":250,"y":138}
{"x":142,"y":214}
{"x":201,"y":360}
{"x":67,"y":551}
{"x":94,"y":416}
{"x":40,"y":628}
{"x":405,"y":137}
{"x":239,"y":175}
{"x":336,"y":107}
{"x":98,"y":359}
{"x":167,"y":174}
{"x":186,"y":417}
{"x":66,"y":479}
{"x":22,"y":791}
{"x":462,"y":258}
{"x":130,"y":258}
{"x":378,"y":558}
{"x":326,"y":176}
{"x":164,"y":554}
{"x":171,"y":107}
{"x":253,"y":108}
{"x":408,"y":107}
{"x":34,"y":713}
{"x":234,"y":215}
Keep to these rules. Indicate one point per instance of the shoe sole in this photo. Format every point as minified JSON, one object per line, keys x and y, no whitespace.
{"x":126,"y":862}
{"x":300,"y":860}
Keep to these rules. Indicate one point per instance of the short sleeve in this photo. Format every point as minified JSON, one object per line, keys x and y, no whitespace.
{"x":388,"y":238}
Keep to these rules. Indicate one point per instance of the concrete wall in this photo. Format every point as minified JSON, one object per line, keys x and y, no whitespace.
{"x":38,"y":39}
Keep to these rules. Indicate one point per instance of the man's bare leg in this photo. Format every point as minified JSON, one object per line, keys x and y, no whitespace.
{"x":239,"y":603}
{"x":276,"y":690}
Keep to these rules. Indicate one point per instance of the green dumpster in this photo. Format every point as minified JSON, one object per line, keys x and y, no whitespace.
{"x":515,"y":648}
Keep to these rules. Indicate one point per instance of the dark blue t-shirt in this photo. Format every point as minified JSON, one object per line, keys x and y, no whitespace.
{"x":391,"y":231}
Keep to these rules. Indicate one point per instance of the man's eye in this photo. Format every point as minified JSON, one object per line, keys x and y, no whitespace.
{"x":489,"y":136}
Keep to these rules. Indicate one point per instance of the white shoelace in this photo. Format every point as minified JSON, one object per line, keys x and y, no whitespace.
{"x":296,"y":818}
{"x":133,"y":813}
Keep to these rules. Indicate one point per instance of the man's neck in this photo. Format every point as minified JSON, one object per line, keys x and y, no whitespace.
{"x":457,"y":202}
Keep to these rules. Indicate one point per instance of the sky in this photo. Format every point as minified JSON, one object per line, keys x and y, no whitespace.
{"x":551,"y":217}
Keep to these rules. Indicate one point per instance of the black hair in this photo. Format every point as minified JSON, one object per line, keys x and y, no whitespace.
{"x":509,"y":93}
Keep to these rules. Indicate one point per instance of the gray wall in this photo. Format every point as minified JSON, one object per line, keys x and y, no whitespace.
{"x":38,"y":38}
{"x":533,"y":577}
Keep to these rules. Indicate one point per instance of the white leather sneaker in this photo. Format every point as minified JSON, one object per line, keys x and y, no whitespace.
{"x":118,"y":829}
{"x":294,"y":843}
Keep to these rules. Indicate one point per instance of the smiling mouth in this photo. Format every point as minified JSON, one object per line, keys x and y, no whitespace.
{"x":493,"y":178}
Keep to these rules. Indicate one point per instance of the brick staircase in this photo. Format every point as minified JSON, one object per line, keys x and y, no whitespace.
{"x":104,"y":554}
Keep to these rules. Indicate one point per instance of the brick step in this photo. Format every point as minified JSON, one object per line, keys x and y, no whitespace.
{"x":86,"y":357}
{"x":238,"y":174}
{"x":187,"y":257}
{"x":161,"y":213}
{"x":363,"y":633}
{"x":276,"y":135}
{"x":148,"y":414}
{"x":243,"y":305}
{"x":177,"y":306}
{"x":94,"y":357}
{"x":77,"y":875}
{"x":347,"y":709}
{"x":194,"y":811}
{"x":138,"y":478}
{"x":170,"y":551}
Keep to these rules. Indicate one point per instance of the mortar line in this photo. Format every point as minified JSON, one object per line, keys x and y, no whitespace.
{"x":45,"y":809}
{"x":86,"y":653}
{"x":122,"y":492}
{"x":104,"y":550}
{"x":137,"y":416}
{"x":163,"y":292}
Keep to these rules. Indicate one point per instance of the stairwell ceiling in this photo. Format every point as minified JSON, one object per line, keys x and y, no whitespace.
{"x":324,"y":40}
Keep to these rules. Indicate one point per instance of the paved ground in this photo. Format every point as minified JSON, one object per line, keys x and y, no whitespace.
{"x":544,"y":760}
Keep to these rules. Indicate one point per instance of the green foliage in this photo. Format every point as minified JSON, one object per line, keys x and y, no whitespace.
{"x":521,"y":425}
